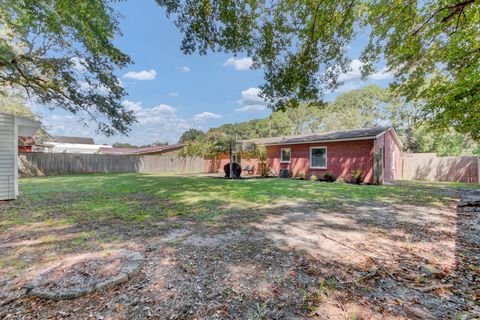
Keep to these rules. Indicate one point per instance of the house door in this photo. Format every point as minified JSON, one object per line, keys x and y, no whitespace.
{"x":378,"y":167}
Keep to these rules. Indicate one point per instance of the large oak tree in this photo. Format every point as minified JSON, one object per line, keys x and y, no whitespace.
{"x":61,"y":53}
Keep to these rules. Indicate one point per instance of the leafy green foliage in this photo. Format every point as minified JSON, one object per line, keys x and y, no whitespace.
{"x":444,"y":142}
{"x":191,"y":135}
{"x":328,"y":177}
{"x":61,"y":53}
{"x":431,"y":47}
{"x":356,"y":176}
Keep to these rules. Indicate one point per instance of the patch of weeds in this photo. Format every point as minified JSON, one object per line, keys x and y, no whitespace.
{"x":108,"y":238}
{"x":209,"y":216}
{"x":215,"y":258}
{"x":315,"y":296}
{"x":49,"y":239}
{"x":12,"y":263}
{"x":227,"y":291}
{"x":83,"y":237}
{"x":259,"y":312}
{"x":174,"y":243}
{"x":188,"y":268}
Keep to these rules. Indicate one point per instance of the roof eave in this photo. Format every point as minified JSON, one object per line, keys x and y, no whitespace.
{"x":395,"y":135}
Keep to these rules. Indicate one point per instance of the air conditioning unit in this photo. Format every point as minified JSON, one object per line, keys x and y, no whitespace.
{"x":284,"y":173}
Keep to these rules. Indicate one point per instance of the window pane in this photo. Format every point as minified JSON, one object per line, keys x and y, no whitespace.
{"x":285,"y":155}
{"x":319,"y":158}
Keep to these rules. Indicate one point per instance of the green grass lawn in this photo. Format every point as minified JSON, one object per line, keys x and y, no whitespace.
{"x":140,"y":197}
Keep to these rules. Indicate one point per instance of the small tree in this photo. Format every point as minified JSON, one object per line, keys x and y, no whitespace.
{"x":257,"y":151}
{"x":213,"y":144}
{"x":227,"y":145}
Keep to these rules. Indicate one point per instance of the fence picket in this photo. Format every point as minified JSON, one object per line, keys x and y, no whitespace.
{"x":52,"y":164}
{"x":427,"y":166}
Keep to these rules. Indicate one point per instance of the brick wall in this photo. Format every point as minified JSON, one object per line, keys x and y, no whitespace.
{"x":216,"y":164}
{"x":342,"y":158}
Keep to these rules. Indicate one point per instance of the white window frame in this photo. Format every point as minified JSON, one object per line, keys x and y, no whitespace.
{"x":281,"y":155}
{"x":326,"y":157}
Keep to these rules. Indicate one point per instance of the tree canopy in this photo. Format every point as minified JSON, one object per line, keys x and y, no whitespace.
{"x":61,"y":53}
{"x":431,"y":47}
{"x":191,"y":135}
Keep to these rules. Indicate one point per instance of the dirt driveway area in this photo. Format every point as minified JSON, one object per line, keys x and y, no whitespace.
{"x":294,"y":259}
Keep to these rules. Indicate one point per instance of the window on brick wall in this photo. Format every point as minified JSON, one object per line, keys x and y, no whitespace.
{"x":285,"y":155}
{"x":318,"y":157}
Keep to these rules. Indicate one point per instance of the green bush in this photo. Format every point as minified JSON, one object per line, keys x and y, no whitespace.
{"x":301,"y":175}
{"x":328,"y":177}
{"x":313,"y":177}
{"x":356,"y":176}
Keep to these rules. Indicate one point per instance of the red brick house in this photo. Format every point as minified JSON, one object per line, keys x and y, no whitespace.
{"x":376,"y":151}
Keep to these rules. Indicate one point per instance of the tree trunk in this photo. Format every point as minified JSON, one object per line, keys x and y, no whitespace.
{"x":231,"y":162}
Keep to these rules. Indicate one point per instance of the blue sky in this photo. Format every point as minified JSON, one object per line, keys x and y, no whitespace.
{"x":171,"y":92}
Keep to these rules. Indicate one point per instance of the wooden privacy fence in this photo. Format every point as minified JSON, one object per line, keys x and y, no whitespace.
{"x":427,"y":166}
{"x":53,"y":164}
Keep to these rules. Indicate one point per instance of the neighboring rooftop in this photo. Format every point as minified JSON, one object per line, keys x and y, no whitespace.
{"x":356,"y":134}
{"x":73,"y":140}
{"x":145,"y":150}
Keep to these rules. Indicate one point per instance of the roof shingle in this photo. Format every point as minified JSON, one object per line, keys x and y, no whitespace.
{"x":323,"y":136}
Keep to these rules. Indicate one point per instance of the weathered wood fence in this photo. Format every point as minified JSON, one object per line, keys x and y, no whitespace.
{"x":52,"y":164}
{"x":427,"y":166}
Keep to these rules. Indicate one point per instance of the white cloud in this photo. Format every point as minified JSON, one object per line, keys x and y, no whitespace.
{"x":141,"y":75}
{"x":98,"y":88}
{"x":79,"y":64}
{"x":251,"y":108}
{"x":184,"y":69}
{"x":353,"y":79}
{"x":381,"y":75}
{"x":134,"y":106}
{"x":164,"y":108}
{"x":157,"y":123}
{"x":201,"y":117}
{"x":355,"y":73}
{"x":174,"y":94}
{"x":239,"y":63}
{"x":251,"y":101}
{"x":251,"y":96}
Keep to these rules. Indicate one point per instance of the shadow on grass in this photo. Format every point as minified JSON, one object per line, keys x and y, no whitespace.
{"x":248,"y":249}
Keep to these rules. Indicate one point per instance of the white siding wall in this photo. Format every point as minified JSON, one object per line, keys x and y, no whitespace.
{"x":7,"y":157}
